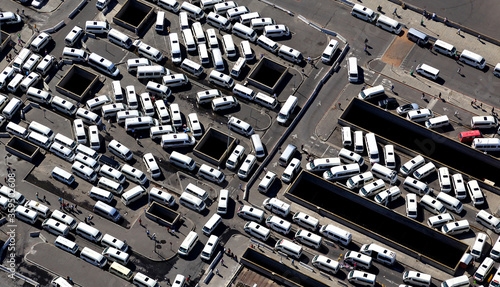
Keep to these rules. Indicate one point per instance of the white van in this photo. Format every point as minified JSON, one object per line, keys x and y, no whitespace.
{"x":244,"y":32}
{"x":223,"y":203}
{"x":94,"y":137}
{"x":326,"y":264}
{"x":217,"y":59}
{"x":10,"y":193}
{"x":31,"y":63}
{"x":336,"y":234}
{"x":39,"y":140}
{"x":161,"y":197}
{"x":477,"y":248}
{"x":74,"y":55}
{"x":413,"y":185}
{"x":240,"y":126}
{"x":289,"y":248}
{"x":73,"y":36}
{"x":29,"y":81}
{"x":346,"y":136}
{"x":460,"y":281}
{"x":194,"y":12}
{"x":97,"y":103}
{"x":171,"y":5}
{"x":41,"y":129}
{"x":62,"y":152}
{"x":450,"y":202}
{"x":246,"y":18}
{"x":432,"y":205}
{"x":483,"y":122}
{"x":322,"y":164}
{"x":45,"y":65}
{"x":18,"y":62}
{"x":26,"y":214}
{"x":352,"y":65}
{"x":175,"y":48}
{"x":211,"y":224}
{"x":110,"y":185}
{"x":93,"y":257}
{"x":40,"y":42}
{"x":151,"y":72}
{"x":198,"y":33}
{"x":66,"y":244}
{"x":475,"y":193}
{"x":437,"y":122}
{"x":371,"y":148}
{"x":175,"y":80}
{"x":97,"y":27}
{"x":196,"y":191}
{"x":15,"y":83}
{"x":277,"y":206}
{"x":63,"y":176}
{"x":194,"y":125}
{"x":133,"y":174}
{"x":42,"y":210}
{"x":276,"y":31}
{"x":290,"y":54}
{"x":88,"y":232}
{"x":192,"y":67}
{"x":211,"y":173}
{"x":88,"y":117}
{"x":484,"y":269}
{"x":210,"y":247}
{"x":472,"y":59}
{"x":389,"y":24}
{"x":417,"y":278}
{"x":363,"y":13}
{"x":16,"y":130}
{"x":157,"y":132}
{"x":257,"y":230}
{"x":160,"y":21}
{"x":456,"y":227}
{"x":287,"y":109}
{"x":224,"y":103}
{"x":221,"y":8}
{"x":133,"y":194}
{"x":158,"y":89}
{"x":120,"y":39}
{"x":188,"y":244}
{"x":428,"y":71}
{"x":247,"y":166}
{"x":218,"y":21}
{"x":278,"y":224}
{"x":258,"y":147}
{"x":229,"y":47}
{"x":444,"y":48}
{"x":439,"y":220}
{"x":122,"y":116}
{"x":424,"y":170}
{"x":97,"y":193}
{"x":120,"y":150}
{"x":147,"y":51}
{"x":111,"y":110}
{"x":117,"y":91}
{"x":221,"y":79}
{"x":64,"y":218}
{"x":372,"y":188}
{"x":258,"y":24}
{"x":187,"y":36}
{"x":63,"y":105}
{"x":267,"y":43}
{"x":486,"y":144}
{"x":265,"y":100}
{"x":176,"y":115}
{"x":250,"y":213}
{"x":238,"y":66}
{"x":379,"y":253}
{"x":371,"y":93}
{"x":291,"y":170}
{"x":192,"y":202}
{"x":177,"y":140}
{"x":488,"y":220}
{"x":235,"y":157}
{"x":234,"y":14}
{"x":341,"y":172}
{"x":359,"y":180}
{"x":107,"y":211}
{"x":410,"y":166}
{"x":80,"y":148}
{"x":444,"y":179}
{"x":151,"y":166}
{"x":6,"y":75}
{"x":116,"y":255}
{"x":146,"y":105}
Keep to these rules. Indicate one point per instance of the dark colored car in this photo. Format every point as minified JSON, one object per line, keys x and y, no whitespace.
{"x":388,"y":103}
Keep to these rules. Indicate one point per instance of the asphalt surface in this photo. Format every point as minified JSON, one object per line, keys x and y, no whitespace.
{"x":474,"y":14}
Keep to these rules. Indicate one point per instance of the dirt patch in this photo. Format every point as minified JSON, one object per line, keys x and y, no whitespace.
{"x":398,"y":51}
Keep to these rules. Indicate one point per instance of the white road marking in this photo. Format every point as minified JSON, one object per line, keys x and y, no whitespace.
{"x":317,"y":74}
{"x":432,"y":103}
{"x":325,"y":151}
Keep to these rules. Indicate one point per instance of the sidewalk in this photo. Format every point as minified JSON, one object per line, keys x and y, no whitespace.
{"x":437,"y":30}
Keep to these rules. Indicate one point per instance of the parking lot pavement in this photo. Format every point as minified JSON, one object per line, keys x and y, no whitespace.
{"x":65,"y":264}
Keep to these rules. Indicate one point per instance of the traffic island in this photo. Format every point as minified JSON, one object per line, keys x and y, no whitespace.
{"x":377,"y":222}
{"x":77,"y":83}
{"x":22,"y":149}
{"x":267,"y":75}
{"x":214,"y":146}
{"x":134,"y":15}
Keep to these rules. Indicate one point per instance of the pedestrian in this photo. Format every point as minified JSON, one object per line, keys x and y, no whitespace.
{"x":154,"y":236}
{"x":339,"y":106}
{"x":492,"y":110}
{"x":45,"y":199}
{"x":445,"y":20}
{"x":472,"y":103}
{"x":36,"y":194}
{"x":147,"y":232}
{"x":475,"y":102}
{"x":433,"y":16}
{"x":237,"y":198}
{"x":140,"y":222}
{"x":240,"y":187}
{"x":395,"y":12}
{"x":5,"y":179}
{"x":222,"y":262}
{"x":458,"y":31}
{"x":309,"y":59}
{"x":479,"y":38}
{"x":168,"y":229}
{"x":76,"y":206}
{"x":61,"y":207}
{"x":366,"y":40}
{"x":303,"y":72}
{"x":456,"y":114}
{"x":17,"y":11}
{"x":366,"y":51}
{"x":45,"y":52}
{"x":392,"y":88}
{"x":459,"y":70}
{"x":439,"y":95}
{"x":481,"y":105}
{"x":217,"y":271}
{"x":293,"y":261}
{"x":423,"y":96}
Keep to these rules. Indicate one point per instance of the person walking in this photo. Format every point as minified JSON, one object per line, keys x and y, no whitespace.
{"x":395,"y":12}
{"x":423,"y":97}
{"x":140,"y":222}
{"x":459,"y":70}
{"x":392,"y":88}
{"x":36,"y":194}
{"x":147,"y":232}
{"x":458,"y":31}
{"x":154,"y":236}
{"x":339,"y":106}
